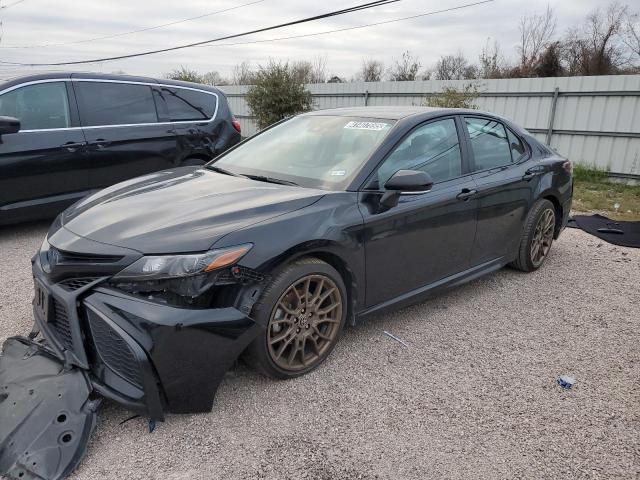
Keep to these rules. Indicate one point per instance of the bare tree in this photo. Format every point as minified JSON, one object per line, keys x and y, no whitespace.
{"x":536,"y":33}
{"x":214,"y":78}
{"x":597,"y":48}
{"x":307,"y":71}
{"x":631,"y":36}
{"x":243,"y":74}
{"x":454,"y":67}
{"x":371,"y":71}
{"x":492,"y":63}
{"x":319,"y":71}
{"x":406,"y":68}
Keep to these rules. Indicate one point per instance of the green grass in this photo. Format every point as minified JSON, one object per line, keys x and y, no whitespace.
{"x":594,"y":193}
{"x":589,"y":174}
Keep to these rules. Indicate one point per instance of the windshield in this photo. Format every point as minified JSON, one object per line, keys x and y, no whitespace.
{"x":312,"y":151}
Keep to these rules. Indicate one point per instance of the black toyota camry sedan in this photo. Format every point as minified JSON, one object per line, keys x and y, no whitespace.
{"x":152,"y":288}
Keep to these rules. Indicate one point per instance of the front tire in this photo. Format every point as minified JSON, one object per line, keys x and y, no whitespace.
{"x":537,"y":237}
{"x":304,"y":308}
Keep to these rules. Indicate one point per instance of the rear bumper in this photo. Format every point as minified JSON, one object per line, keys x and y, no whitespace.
{"x":151,"y":358}
{"x":566,"y":212}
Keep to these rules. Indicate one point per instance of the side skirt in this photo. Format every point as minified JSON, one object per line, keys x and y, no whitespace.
{"x":428,"y":291}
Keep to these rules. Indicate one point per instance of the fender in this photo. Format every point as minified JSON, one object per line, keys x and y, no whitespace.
{"x":285,"y":238}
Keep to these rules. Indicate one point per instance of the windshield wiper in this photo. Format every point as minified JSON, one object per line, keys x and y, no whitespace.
{"x":262,"y":178}
{"x":223,"y":171}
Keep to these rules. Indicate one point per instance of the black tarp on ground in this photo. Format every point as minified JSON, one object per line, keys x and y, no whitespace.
{"x":625,"y":234}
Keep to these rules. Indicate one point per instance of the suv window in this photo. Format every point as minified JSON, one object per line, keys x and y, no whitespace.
{"x":183,"y":104}
{"x":38,"y":106}
{"x":489,"y":143}
{"x":433,"y":148}
{"x":105,"y":103}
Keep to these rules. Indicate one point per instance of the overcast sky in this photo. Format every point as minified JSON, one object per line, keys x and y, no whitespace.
{"x":35,"y":23}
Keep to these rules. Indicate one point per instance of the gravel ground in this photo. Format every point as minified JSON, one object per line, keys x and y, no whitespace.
{"x":473,"y":396}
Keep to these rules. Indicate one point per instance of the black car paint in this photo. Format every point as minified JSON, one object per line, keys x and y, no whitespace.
{"x":389,"y":257}
{"x":193,"y":208}
{"x":44,"y":171}
{"x":428,"y":241}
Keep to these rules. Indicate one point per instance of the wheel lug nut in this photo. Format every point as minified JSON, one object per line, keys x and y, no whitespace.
{"x":298,"y":330}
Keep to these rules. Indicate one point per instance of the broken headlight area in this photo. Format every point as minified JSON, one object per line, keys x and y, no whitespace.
{"x":199,"y":291}
{"x":186,"y":280}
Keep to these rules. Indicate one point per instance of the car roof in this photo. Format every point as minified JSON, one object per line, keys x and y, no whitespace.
{"x":103,"y":76}
{"x":389,"y":112}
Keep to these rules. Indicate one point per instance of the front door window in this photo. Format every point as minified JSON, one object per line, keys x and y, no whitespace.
{"x":38,"y":107}
{"x":433,"y":148}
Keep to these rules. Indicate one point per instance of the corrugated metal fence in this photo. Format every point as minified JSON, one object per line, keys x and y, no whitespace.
{"x":594,"y":121}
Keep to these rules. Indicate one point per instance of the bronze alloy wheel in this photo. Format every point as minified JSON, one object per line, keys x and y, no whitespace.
{"x":304,"y":323}
{"x":542,"y":237}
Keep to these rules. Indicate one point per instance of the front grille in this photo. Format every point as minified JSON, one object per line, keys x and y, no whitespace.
{"x":114,"y":350}
{"x":73,"y":284}
{"x":61,"y":257}
{"x":61,"y":324}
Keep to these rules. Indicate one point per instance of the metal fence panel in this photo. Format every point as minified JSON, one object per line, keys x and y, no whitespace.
{"x":595,"y":122}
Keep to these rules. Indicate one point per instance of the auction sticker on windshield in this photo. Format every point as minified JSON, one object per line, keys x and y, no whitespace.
{"x":354,"y":125}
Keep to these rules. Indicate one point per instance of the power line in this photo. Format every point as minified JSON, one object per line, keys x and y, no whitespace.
{"x":343,"y":11}
{"x":131,"y":32}
{"x":338,"y":30}
{"x":3,"y":7}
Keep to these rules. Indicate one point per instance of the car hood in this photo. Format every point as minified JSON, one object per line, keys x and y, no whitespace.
{"x":183,"y":210}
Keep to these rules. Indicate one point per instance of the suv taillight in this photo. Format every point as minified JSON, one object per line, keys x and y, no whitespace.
{"x":568,"y":167}
{"x":236,"y":125}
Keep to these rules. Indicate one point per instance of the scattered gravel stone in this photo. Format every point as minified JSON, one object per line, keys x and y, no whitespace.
{"x":474,"y":397}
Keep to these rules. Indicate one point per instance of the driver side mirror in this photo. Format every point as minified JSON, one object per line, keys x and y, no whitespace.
{"x":414,"y":181}
{"x":9,"y":125}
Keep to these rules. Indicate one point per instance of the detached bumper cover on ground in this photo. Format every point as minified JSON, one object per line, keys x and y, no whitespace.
{"x":46,"y":414}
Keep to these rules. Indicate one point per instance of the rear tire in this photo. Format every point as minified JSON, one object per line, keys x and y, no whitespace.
{"x":304,"y":308}
{"x":537,"y":237}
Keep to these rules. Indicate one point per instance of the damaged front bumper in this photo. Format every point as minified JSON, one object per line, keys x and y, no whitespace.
{"x":150,"y":357}
{"x":98,"y":341}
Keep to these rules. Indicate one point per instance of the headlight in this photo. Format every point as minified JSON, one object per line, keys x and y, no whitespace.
{"x":164,"y":267}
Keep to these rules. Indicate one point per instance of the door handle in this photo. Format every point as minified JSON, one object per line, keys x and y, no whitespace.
{"x":533,"y":172}
{"x":466,"y":194}
{"x":73,"y":146}
{"x":100,"y":143}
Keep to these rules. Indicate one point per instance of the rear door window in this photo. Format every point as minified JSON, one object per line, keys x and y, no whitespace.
{"x":109,"y":103}
{"x":39,"y":106}
{"x":489,"y":142}
{"x":184,"y":105}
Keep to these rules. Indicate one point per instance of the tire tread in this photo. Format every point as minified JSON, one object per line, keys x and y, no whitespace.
{"x":523,"y":261}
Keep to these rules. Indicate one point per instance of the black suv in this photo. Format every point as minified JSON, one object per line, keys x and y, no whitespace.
{"x":65,"y":135}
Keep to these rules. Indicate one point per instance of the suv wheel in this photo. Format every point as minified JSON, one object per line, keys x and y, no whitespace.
{"x":304,"y":308}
